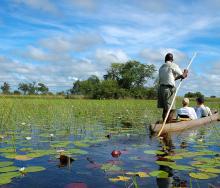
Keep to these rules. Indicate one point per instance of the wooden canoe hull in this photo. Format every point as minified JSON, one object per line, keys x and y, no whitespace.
{"x":184,"y":125}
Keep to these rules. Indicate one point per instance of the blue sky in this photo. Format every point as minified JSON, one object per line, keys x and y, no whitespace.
{"x":57,"y":42}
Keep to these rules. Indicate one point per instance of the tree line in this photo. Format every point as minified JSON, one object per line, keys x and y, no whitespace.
{"x":25,"y":89}
{"x":122,"y":80}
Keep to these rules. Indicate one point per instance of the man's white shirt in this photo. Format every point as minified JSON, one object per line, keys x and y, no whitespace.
{"x":188,"y":111}
{"x":203,"y":111}
{"x":168,"y":72}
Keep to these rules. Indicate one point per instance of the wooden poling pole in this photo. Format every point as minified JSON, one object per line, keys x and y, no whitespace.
{"x":165,"y":120}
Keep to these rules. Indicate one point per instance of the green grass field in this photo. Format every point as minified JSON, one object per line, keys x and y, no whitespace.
{"x":60,"y":111}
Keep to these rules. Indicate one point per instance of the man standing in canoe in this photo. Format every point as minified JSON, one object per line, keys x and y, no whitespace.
{"x":169,"y":72}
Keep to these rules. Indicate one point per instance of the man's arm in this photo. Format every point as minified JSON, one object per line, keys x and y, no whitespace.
{"x":182,"y":76}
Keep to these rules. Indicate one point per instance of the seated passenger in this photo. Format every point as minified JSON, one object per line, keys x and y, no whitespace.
{"x":201,"y":109}
{"x":186,"y":111}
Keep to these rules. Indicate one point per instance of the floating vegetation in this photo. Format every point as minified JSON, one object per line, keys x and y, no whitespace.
{"x":108,"y":167}
{"x":159,"y":174}
{"x":154,"y":152}
{"x":202,"y":176}
{"x":81,"y":135}
{"x":119,"y":178}
{"x":140,"y":174}
{"x":5,"y":163}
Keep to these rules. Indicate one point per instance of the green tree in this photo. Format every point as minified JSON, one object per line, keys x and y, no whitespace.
{"x":131,"y":74}
{"x":86,"y":87}
{"x":193,"y":95}
{"x":16,"y":92}
{"x":5,"y":88}
{"x":23,"y":87}
{"x":42,"y":88}
{"x":107,"y":89}
{"x":32,"y":88}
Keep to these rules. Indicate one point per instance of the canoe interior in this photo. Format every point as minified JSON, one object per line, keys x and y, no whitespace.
{"x":184,"y":125}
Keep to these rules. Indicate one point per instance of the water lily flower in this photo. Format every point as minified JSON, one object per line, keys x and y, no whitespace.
{"x":22,"y":169}
{"x":2,"y":137}
{"x":60,"y":150}
{"x":23,"y":123}
{"x":28,"y":138}
{"x":51,"y":135}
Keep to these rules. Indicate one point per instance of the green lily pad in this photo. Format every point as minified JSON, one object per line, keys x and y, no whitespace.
{"x":110,"y":167}
{"x":76,"y":151}
{"x":181,"y":167}
{"x":159,"y":174}
{"x":26,"y":149}
{"x":10,"y":175}
{"x":210,"y":170}
{"x":62,"y":144}
{"x":9,"y":169}
{"x":5,"y":163}
{"x":202,"y":176}
{"x":40,"y":153}
{"x":4,"y":181}
{"x":80,"y":144}
{"x":34,"y":169}
{"x":154,"y":152}
{"x":165,"y":163}
{"x":7,"y":150}
{"x":174,"y":157}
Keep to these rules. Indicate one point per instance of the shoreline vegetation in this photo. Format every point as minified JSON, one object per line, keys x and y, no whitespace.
{"x":130,"y":80}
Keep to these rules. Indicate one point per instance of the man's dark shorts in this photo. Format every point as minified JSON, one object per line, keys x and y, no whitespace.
{"x":165,"y":97}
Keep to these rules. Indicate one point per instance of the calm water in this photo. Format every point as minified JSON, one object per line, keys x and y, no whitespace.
{"x":94,"y":166}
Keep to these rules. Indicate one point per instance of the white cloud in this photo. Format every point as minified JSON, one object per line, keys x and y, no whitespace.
{"x":156,"y":56}
{"x":79,"y":42}
{"x":106,"y":57}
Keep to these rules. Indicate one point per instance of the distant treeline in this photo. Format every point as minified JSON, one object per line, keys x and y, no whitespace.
{"x":122,"y":80}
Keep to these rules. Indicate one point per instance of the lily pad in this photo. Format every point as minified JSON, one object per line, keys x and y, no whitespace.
{"x":62,"y":144}
{"x":22,"y":158}
{"x":34,"y":169}
{"x":210,"y":170}
{"x":76,"y":151}
{"x":110,"y":168}
{"x":81,"y":144}
{"x":154,"y":152}
{"x":4,"y":181}
{"x":10,"y":175}
{"x":174,"y":157}
{"x":165,"y":163}
{"x":119,"y":178}
{"x":181,"y":167}
{"x":8,"y":169}
{"x":5,"y":163}
{"x":140,"y":174}
{"x":202,"y":176}
{"x":159,"y":174}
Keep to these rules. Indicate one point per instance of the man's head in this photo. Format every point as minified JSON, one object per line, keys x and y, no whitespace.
{"x":200,"y":100}
{"x":185,"y":102}
{"x":169,"y":57}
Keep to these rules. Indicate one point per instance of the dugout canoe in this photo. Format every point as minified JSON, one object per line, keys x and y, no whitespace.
{"x":185,"y":125}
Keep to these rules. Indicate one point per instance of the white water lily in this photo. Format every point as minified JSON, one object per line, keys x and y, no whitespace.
{"x":2,"y":137}
{"x":200,"y":140}
{"x":23,"y":123}
{"x":60,"y":150}
{"x":28,"y":138}
{"x":51,"y":135}
{"x":22,"y":169}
